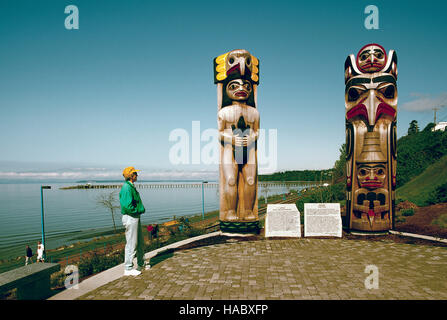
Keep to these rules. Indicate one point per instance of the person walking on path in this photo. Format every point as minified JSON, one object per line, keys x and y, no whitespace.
{"x":40,"y":250}
{"x":29,"y":255}
{"x":131,"y":209}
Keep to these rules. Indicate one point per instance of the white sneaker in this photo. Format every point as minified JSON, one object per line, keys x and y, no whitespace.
{"x":132,"y":272}
{"x":146,"y":266}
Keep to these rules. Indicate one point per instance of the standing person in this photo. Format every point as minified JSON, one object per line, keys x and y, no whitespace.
{"x":131,"y":209}
{"x":40,"y":249}
{"x":29,"y":255}
{"x":150,"y":230}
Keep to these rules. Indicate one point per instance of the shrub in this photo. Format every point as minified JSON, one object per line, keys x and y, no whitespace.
{"x":438,"y":195}
{"x":332,"y":193}
{"x":405,"y":205}
{"x":184,"y":224}
{"x":58,"y":279}
{"x":99,"y":262}
{"x":441,"y":221}
{"x":407,"y":212}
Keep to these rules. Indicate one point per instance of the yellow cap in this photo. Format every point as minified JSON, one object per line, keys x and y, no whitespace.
{"x":127,"y":173}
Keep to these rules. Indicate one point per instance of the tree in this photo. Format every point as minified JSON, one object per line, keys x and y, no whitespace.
{"x":339,"y":171}
{"x":418,"y":151}
{"x":109,"y":201}
{"x":429,"y":127}
{"x":414,"y":128}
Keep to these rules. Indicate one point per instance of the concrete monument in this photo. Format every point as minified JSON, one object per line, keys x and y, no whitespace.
{"x":322,"y":219}
{"x":282,"y":220}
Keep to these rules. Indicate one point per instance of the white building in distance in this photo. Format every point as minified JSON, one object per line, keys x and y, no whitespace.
{"x":440,"y":126}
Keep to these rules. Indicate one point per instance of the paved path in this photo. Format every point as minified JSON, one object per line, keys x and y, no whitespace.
{"x":289,"y":269}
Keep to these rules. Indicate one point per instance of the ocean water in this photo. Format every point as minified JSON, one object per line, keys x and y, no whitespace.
{"x":75,"y":213}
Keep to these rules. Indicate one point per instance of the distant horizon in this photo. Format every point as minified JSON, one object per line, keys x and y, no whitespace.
{"x":93,"y":180}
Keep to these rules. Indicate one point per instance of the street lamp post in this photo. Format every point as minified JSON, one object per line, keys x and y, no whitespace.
{"x":42,"y":217}
{"x":203,"y":201}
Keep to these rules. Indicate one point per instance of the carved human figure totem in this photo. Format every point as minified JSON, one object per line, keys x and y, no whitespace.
{"x":236,"y":74}
{"x":371,"y":110}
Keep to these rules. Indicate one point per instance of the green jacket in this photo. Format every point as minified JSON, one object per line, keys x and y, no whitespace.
{"x":130,"y":201}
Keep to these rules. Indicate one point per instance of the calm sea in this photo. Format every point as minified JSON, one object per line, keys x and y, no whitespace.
{"x":74,"y":214}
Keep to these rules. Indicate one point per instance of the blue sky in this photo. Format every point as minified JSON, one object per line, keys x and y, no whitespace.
{"x":88,"y":102}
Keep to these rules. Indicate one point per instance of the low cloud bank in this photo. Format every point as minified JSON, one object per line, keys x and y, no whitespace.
{"x":424,"y":102}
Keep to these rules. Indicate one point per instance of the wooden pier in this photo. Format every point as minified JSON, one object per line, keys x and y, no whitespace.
{"x":262,"y":184}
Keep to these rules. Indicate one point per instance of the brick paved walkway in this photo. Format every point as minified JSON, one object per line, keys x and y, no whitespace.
{"x":289,"y":269}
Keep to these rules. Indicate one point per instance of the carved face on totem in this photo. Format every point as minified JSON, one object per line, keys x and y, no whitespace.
{"x":371,"y":163}
{"x":371,"y":58}
{"x":238,"y":90}
{"x":236,"y":64}
{"x":237,"y":74}
{"x":371,"y":176}
{"x":371,"y":96}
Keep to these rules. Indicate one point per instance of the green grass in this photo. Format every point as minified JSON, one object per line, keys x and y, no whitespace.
{"x":441,"y":221}
{"x":208,"y":215}
{"x":100,"y":234}
{"x":418,"y":189}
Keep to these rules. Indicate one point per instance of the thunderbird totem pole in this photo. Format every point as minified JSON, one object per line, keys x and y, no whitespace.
{"x":236,"y":74}
{"x":371,"y":109}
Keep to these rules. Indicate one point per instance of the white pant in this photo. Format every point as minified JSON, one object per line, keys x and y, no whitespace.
{"x":134,"y":242}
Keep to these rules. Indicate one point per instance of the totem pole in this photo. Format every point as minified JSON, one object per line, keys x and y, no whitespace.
{"x":371,"y":110}
{"x":236,"y":74}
